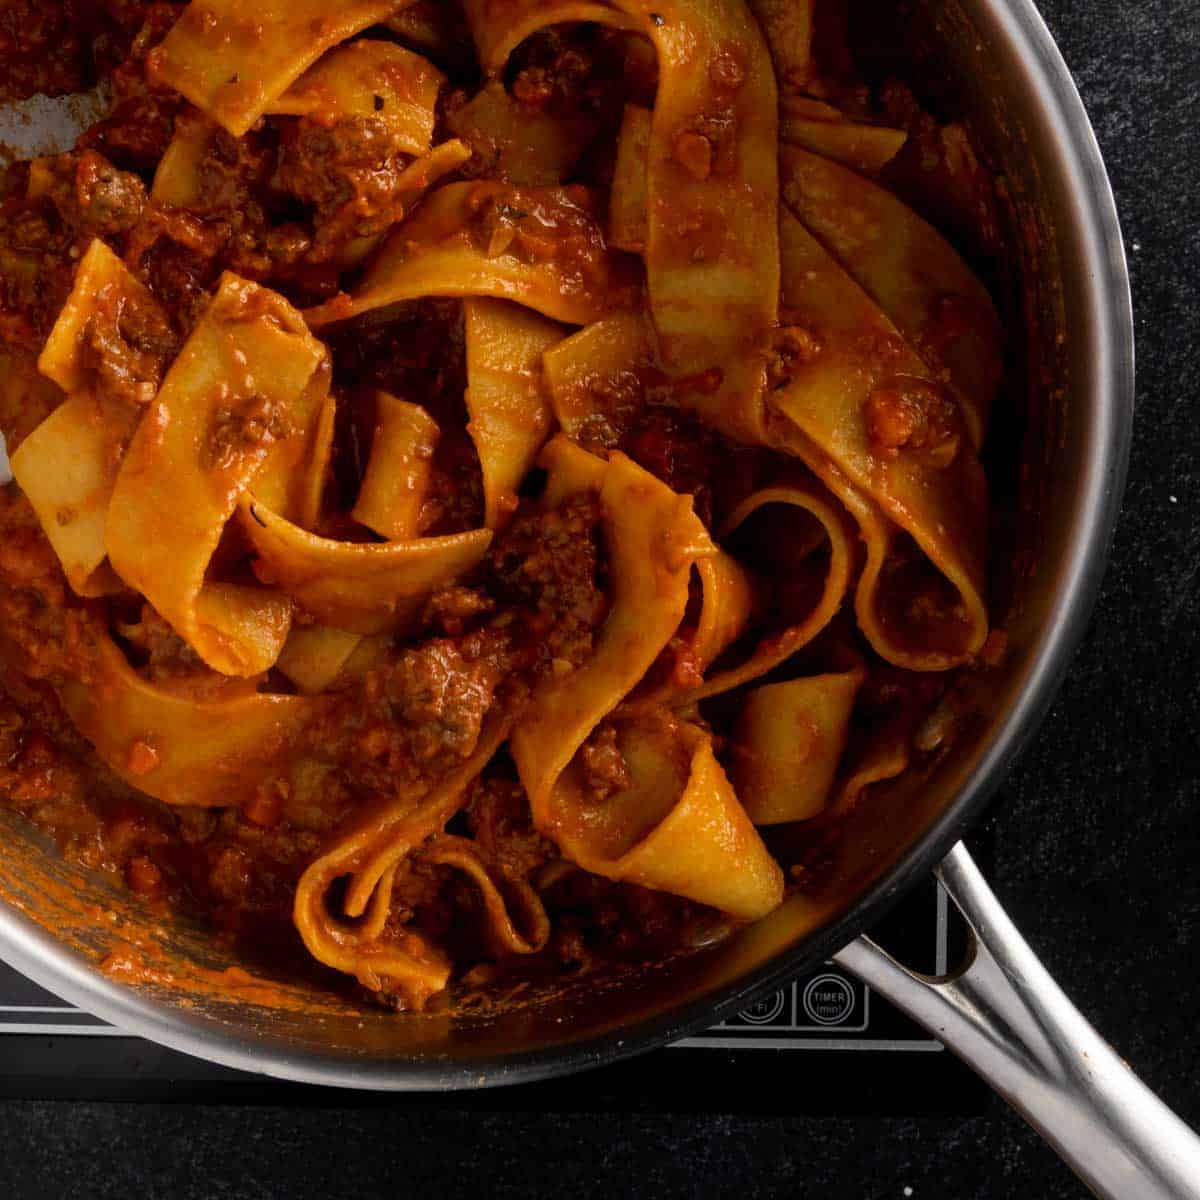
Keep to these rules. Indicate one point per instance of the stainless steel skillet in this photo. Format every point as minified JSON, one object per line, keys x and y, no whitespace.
{"x":1073,"y":384}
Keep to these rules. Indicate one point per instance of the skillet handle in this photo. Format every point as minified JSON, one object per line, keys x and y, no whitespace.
{"x":1004,"y":1016}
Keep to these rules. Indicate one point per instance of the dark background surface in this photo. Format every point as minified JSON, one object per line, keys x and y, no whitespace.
{"x":1095,"y":845}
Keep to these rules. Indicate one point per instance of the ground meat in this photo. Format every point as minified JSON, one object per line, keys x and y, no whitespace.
{"x":499,"y":819}
{"x":690,"y":459}
{"x":794,"y":346}
{"x":442,"y":695}
{"x":571,"y":69}
{"x":159,"y":652}
{"x":92,"y":197}
{"x":547,"y":565}
{"x":38,"y":255}
{"x":138,"y":128}
{"x":605,"y":771}
{"x":348,"y":173}
{"x":238,"y":428}
{"x":127,"y":346}
{"x":453,"y":609}
{"x":415,"y":350}
{"x":596,"y":920}
{"x":230,"y":223}
{"x":137,"y":131}
{"x":916,"y":415}
{"x":41,"y":628}
{"x":180,"y":277}
{"x":414,"y":717}
{"x":61,"y":46}
{"x":417,"y":715}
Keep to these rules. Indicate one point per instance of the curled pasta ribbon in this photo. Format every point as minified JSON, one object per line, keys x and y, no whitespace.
{"x":516,"y":920}
{"x":234,"y":61}
{"x":910,"y":271}
{"x":727,"y":596}
{"x":354,"y":586}
{"x":367,"y":855}
{"x":711,"y":187}
{"x":372,"y":79}
{"x":491,"y":239}
{"x":677,"y":827}
{"x":789,"y":740}
{"x":521,"y":145}
{"x":652,"y":537}
{"x":509,"y":416}
{"x":67,"y":467}
{"x":921,"y":608}
{"x":210,"y":753}
{"x":240,"y":394}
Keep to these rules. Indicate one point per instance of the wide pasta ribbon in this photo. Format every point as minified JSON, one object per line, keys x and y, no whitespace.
{"x":240,"y":393}
{"x":678,"y":826}
{"x":711,"y":239}
{"x":509,"y":416}
{"x":390,"y":498}
{"x":359,"y":587}
{"x":595,"y":373}
{"x":788,"y":28}
{"x":867,"y":148}
{"x":210,"y":753}
{"x":67,"y":467}
{"x":234,"y":60}
{"x":491,"y":239}
{"x":871,"y":420}
{"x":591,"y":377}
{"x":788,"y":743}
{"x":367,"y":856}
{"x":396,"y":482}
{"x":518,"y":144}
{"x":629,"y":205}
{"x":910,"y":271}
{"x":375,"y":80}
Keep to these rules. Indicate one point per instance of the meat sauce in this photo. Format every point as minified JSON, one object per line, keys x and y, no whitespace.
{"x":275,"y":206}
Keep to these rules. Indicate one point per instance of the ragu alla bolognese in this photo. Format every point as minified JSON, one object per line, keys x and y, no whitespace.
{"x":479,"y":468}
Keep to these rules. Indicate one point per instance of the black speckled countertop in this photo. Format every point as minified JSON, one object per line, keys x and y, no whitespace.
{"x":1095,"y":833}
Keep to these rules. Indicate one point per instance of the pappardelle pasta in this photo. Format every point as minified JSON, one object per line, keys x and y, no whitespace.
{"x":480,"y":469}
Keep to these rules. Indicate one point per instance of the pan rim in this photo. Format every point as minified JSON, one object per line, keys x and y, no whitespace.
{"x":1108,"y":322}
